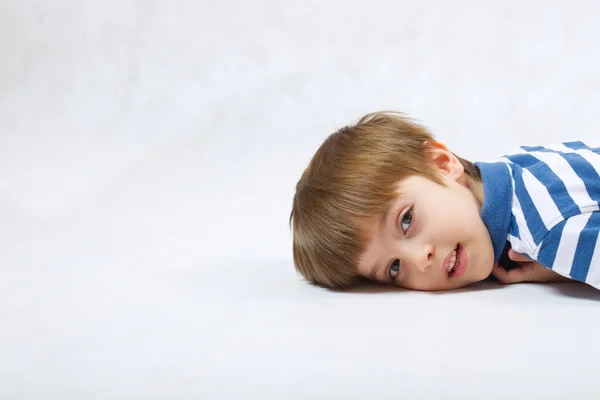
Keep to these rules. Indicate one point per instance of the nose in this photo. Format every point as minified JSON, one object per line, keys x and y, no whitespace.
{"x":423,"y":256}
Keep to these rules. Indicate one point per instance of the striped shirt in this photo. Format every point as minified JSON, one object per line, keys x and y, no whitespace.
{"x":545,"y":202}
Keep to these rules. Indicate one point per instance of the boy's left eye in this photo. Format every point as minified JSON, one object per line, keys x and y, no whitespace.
{"x":406,"y":220}
{"x":394,"y":269}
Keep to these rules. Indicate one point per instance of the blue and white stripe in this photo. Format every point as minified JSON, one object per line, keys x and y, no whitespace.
{"x":555,"y":218}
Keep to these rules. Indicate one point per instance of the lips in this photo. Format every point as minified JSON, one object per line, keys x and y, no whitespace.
{"x":455,"y":266}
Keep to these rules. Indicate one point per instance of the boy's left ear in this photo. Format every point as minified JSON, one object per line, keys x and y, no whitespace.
{"x":445,"y":161}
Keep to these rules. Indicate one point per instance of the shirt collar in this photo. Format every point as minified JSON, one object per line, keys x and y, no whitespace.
{"x":497,"y":202}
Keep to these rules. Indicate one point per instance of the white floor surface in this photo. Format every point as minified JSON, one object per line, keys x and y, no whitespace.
{"x":148,"y":156}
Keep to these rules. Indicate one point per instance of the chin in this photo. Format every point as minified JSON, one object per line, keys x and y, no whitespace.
{"x":486,"y":272}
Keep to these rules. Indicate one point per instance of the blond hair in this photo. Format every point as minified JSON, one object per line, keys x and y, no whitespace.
{"x":352,"y":178}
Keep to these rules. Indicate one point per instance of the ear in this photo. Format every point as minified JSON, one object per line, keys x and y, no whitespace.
{"x":447,"y":163}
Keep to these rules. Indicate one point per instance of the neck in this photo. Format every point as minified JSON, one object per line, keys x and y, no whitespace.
{"x":476,"y":187}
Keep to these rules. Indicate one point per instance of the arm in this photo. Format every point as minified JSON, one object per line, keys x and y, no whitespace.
{"x":528,"y":271}
{"x":570,"y":251}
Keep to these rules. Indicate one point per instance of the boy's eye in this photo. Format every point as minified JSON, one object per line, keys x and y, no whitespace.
{"x":394,"y":269}
{"x":406,"y":220}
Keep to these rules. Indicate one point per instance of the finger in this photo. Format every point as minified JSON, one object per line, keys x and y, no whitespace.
{"x":502,"y":275}
{"x":514,"y":275}
{"x":513,"y":255}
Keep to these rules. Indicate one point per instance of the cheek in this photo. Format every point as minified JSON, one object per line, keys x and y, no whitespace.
{"x":467,"y":215}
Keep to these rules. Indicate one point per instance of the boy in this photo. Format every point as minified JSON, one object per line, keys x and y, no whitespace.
{"x":384,"y":201}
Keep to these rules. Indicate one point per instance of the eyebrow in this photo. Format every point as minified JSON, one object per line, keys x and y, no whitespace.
{"x":382,"y":224}
{"x":373,"y":274}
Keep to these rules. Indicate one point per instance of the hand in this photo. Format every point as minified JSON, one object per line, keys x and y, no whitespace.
{"x":528,"y":271}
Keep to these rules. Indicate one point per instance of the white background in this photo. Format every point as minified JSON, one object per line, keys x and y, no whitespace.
{"x":148,"y":156}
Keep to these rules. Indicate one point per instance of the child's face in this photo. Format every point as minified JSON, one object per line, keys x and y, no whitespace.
{"x":414,"y":245}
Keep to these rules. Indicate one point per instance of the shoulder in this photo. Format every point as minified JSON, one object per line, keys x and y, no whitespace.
{"x":558,"y":148}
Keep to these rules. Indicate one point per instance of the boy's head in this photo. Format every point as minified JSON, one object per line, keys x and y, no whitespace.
{"x":383,"y":200}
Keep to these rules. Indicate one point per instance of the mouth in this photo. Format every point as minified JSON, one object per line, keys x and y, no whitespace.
{"x":455,"y":263}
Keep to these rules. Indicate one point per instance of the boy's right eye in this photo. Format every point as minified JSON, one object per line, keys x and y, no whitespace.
{"x":406,"y":220}
{"x":394,"y":269}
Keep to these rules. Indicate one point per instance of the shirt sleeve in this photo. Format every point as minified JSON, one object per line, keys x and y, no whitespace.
{"x":572,"y":249}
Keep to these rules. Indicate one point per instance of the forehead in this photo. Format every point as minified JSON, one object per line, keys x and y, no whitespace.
{"x":376,"y":228}
{"x":369,"y":256}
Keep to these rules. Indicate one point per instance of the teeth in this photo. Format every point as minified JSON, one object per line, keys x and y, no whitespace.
{"x":452,"y":261}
